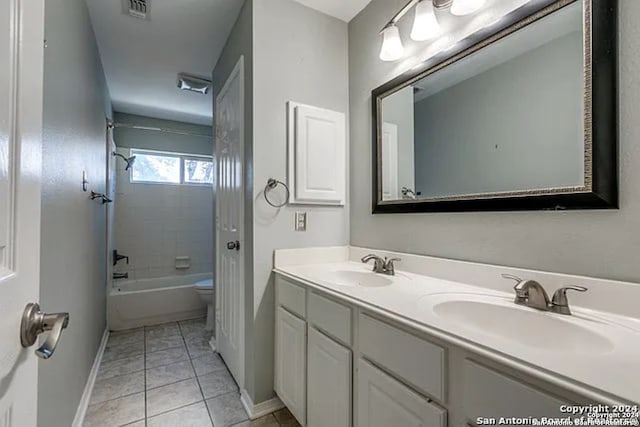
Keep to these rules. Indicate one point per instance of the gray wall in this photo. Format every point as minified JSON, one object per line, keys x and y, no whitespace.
{"x":73,"y":259}
{"x":596,"y":243}
{"x":299,"y":55}
{"x":163,"y":141}
{"x":518,"y":126}
{"x":240,"y":43}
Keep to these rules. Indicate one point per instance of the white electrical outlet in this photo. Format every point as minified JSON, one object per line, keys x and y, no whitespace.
{"x":301,"y":221}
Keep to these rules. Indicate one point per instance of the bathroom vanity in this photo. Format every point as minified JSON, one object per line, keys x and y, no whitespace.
{"x":353,"y":347}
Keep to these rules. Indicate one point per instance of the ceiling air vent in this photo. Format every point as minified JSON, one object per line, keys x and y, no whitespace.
{"x":136,"y":8}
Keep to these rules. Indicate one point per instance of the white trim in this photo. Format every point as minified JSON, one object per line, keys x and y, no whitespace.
{"x":78,"y":420}
{"x":256,"y":411}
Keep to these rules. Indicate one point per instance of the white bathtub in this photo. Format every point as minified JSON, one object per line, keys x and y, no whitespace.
{"x":135,"y":303}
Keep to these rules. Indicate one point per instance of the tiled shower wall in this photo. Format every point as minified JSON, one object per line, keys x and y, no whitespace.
{"x":156,"y":223}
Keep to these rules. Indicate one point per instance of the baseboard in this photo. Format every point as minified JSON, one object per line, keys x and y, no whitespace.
{"x":261,"y":409}
{"x":78,"y":420}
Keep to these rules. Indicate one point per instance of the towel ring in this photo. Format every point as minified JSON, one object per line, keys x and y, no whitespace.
{"x":271,"y":185}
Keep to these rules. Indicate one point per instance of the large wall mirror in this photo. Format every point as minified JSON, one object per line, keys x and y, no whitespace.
{"x":520,"y":117}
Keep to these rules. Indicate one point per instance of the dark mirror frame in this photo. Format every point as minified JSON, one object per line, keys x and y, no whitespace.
{"x":600,"y":190}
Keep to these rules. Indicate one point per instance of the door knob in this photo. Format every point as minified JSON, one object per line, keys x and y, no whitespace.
{"x":34,"y":322}
{"x":233,"y":245}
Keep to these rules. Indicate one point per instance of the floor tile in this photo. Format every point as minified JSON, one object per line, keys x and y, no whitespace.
{"x":208,"y":363}
{"x":164,"y":330}
{"x":267,"y":421}
{"x":141,"y":423}
{"x":125,"y":337}
{"x":166,"y":357}
{"x":154,"y":344}
{"x":123,"y":351}
{"x":217,"y":383}
{"x":172,"y":396}
{"x":226,"y":410}
{"x":198,"y":347}
{"x":189,"y":416}
{"x":286,"y":418}
{"x":168,"y":374}
{"x":112,"y":388}
{"x":118,"y":367}
{"x":116,"y":412}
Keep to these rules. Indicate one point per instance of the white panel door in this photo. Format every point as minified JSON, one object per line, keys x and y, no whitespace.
{"x":390,"y":188}
{"x":230,"y":253}
{"x":384,"y":402}
{"x":318,"y":155}
{"x":290,"y":369}
{"x":329,"y":379}
{"x":21,"y":79}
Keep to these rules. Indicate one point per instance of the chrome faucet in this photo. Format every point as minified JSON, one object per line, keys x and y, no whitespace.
{"x":532,"y":294}
{"x":382,"y":265}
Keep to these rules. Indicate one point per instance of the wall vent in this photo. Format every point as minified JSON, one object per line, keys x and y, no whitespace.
{"x":136,"y":8}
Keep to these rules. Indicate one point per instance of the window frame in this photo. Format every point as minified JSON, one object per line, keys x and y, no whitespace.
{"x":183,"y":157}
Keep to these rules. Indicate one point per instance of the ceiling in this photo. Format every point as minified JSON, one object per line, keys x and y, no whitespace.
{"x":345,"y":10}
{"x":141,"y":58}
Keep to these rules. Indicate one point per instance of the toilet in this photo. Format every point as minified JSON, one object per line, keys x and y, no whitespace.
{"x":205,"y":290}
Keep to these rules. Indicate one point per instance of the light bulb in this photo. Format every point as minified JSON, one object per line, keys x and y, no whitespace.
{"x":466,"y":7}
{"x":425,"y":24}
{"x":392,"y":48}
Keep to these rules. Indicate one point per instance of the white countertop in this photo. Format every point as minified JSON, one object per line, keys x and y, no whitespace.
{"x":610,"y":375}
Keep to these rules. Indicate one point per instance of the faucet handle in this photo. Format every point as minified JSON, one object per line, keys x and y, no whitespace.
{"x":521,"y":293}
{"x":560,"y":296}
{"x":511,"y":277}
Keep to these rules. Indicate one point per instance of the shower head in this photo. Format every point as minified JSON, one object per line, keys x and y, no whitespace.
{"x":130,"y":161}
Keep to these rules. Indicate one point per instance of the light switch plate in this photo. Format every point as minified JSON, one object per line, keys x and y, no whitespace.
{"x":301,"y":221}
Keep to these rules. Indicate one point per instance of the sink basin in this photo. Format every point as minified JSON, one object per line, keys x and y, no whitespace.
{"x":500,"y":317}
{"x":351,"y":278}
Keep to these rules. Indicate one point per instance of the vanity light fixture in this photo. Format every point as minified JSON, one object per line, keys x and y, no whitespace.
{"x":392,"y":48}
{"x":466,"y":7}
{"x":425,"y":24}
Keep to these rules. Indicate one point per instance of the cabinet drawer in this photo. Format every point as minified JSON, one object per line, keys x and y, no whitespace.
{"x":384,"y":402}
{"x":330,"y":317}
{"x":414,"y":360}
{"x":291,"y":296}
{"x":488,"y":393}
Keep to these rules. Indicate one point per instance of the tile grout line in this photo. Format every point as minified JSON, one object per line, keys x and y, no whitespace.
{"x":196,"y":375}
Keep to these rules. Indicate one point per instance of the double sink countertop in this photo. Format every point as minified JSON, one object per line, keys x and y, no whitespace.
{"x":592,"y":352}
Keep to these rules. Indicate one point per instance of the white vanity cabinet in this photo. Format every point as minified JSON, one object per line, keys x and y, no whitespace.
{"x":291,"y":362}
{"x":384,"y":402}
{"x":329,"y":382}
{"x":341,"y":364}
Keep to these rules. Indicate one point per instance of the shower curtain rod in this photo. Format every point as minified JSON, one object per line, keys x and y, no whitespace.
{"x":156,"y":129}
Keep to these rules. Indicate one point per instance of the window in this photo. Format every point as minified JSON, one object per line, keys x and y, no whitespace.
{"x":159,"y":167}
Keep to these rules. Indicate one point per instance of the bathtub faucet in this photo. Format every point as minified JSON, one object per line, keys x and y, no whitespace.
{"x":117,"y":276}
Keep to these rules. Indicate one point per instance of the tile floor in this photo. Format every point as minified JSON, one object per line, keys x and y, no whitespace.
{"x":167,"y":375}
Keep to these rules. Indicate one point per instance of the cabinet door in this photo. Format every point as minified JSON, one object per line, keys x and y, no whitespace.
{"x":291,"y":383}
{"x":384,"y":402}
{"x":329,"y":379}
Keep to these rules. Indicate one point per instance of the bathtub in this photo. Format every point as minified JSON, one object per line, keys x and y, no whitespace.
{"x":144,"y":302}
